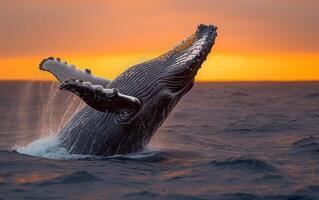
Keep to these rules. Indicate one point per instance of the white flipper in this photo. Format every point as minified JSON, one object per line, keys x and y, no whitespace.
{"x":102,"y":99}
{"x":63,"y":72}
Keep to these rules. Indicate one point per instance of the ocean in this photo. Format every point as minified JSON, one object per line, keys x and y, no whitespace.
{"x":223,"y":141}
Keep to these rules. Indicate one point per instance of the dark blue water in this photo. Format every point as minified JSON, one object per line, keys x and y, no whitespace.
{"x":223,"y":141}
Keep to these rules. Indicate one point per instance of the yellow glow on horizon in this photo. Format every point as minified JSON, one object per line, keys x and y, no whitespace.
{"x":218,"y":67}
{"x":255,"y":67}
{"x":272,"y":40}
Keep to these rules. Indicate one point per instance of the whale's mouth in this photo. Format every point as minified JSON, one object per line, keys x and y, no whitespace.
{"x":183,"y":79}
{"x":190,"y":54}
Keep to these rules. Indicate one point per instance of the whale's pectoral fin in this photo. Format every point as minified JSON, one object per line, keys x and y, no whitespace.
{"x":101,"y":99}
{"x":63,"y":72}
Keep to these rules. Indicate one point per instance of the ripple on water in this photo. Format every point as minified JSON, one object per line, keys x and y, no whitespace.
{"x":311,"y":190}
{"x":307,"y":144}
{"x":246,"y":127}
{"x":149,"y":194}
{"x":74,"y":178}
{"x":240,"y":94}
{"x":313,"y":95}
{"x":247,"y":196}
{"x":146,"y":156}
{"x":247,"y":164}
{"x":142,"y":194}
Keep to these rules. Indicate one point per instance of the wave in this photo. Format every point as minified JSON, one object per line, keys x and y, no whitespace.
{"x":313,"y":95}
{"x":247,"y":128}
{"x":270,"y":178}
{"x":312,"y":189}
{"x":144,"y":194}
{"x":150,"y":194}
{"x":226,"y":196}
{"x":248,"y":196}
{"x":250,"y":164}
{"x":242,"y":94}
{"x":144,"y":156}
{"x":307,"y":144}
{"x":76,"y":177}
{"x":243,"y":130}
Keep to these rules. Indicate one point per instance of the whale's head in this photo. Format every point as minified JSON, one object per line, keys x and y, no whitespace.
{"x":158,"y":84}
{"x":184,"y":61}
{"x":161,"y":82}
{"x":171,"y":74}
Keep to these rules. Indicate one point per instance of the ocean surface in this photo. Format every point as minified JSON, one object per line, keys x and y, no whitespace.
{"x":224,"y":141}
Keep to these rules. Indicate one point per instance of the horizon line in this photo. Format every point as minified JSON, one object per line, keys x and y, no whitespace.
{"x":196,"y":81}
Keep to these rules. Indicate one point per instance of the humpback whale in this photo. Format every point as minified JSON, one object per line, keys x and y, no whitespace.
{"x":123,"y":114}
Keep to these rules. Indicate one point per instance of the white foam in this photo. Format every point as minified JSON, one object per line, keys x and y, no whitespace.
{"x":146,"y":153}
{"x":48,"y":147}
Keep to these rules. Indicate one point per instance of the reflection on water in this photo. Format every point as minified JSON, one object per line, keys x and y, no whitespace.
{"x":34,"y":177}
{"x":223,"y":141}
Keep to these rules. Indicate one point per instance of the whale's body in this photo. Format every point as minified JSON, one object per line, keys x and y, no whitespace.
{"x":135,"y":104}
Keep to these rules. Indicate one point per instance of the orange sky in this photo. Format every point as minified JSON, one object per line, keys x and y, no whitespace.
{"x":258,"y":40}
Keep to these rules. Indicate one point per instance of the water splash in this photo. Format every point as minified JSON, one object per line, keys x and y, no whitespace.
{"x":54,"y":110}
{"x":49,"y":147}
{"x":47,"y":123}
{"x":57,"y":109}
{"x":22,"y":113}
{"x":45,"y":147}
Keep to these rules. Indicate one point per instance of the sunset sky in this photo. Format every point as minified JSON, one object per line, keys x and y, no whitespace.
{"x":257,"y":39}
